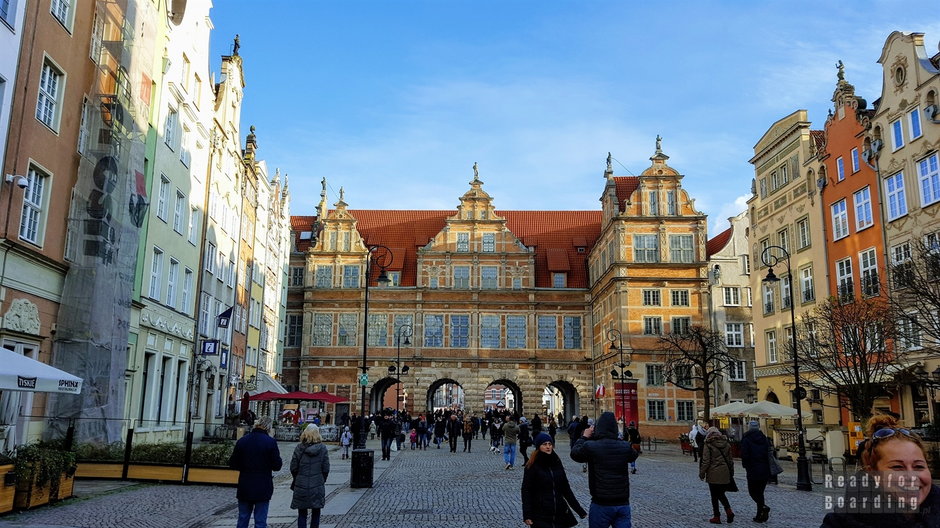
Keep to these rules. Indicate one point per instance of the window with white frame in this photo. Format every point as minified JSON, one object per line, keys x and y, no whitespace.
{"x":489,"y":331}
{"x":901,"y":266}
{"x":193,"y":225}
{"x":908,"y":332}
{"x":656,"y":410}
{"x":786,"y":292}
{"x":378,"y":330}
{"x":172,"y":279}
{"x":204,"y":301}
{"x":840,"y":168}
{"x":462,"y":277}
{"x":645,"y":248}
{"x":515,"y":331}
{"x":846,"y":288}
{"x":178,"y":209}
{"x":734,"y":334}
{"x":652,"y":325}
{"x":746,"y":264}
{"x":748,"y":296}
{"x":187,"y":294}
{"x":681,"y":325}
{"x":322,"y":329}
{"x":489,"y":242}
{"x":680,"y":297}
{"x":572,"y":331}
{"x":347,"y":330}
{"x":350,"y":276}
{"x":897,"y":135}
{"x":163,"y":197}
{"x":685,"y":410}
{"x":84,"y":128}
{"x":51,"y":90}
{"x":732,"y":296}
{"x":680,"y":248}
{"x":459,"y":331}
{"x":171,"y":129}
{"x":862,"y":200}
{"x":914,"y":122}
{"x":855,"y":165}
{"x":547,"y":332}
{"x":768,"y":299}
{"x":783,"y":237}
{"x":802,"y":233}
{"x":928,"y":175}
{"x":654,"y":375}
{"x":771,"y":336}
{"x":156,"y":273}
{"x":489,"y":277}
{"x":737,"y":371}
{"x":807,"y":291}
{"x":868,"y":265}
{"x":651,"y":298}
{"x":323,"y":277}
{"x":463,"y":242}
{"x":895,"y":196}
{"x":210,"y":257}
{"x":32,"y":220}
{"x":840,"y":220}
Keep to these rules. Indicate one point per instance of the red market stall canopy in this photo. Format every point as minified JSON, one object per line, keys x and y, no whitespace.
{"x":265,"y":396}
{"x":326,"y":397}
{"x":298,"y":395}
{"x":20,"y":373}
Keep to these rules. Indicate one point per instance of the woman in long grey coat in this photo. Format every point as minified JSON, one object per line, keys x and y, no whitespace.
{"x":310,"y":466}
{"x":717,"y":470}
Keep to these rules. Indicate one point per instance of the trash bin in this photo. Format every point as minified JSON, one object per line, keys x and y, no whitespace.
{"x":362,"y":463}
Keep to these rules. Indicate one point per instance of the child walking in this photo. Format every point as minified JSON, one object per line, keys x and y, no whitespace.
{"x":345,"y":440}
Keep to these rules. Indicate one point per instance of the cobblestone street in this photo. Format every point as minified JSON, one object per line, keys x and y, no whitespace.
{"x":423,"y":488}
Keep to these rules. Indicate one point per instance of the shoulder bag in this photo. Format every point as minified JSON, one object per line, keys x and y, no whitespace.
{"x":775,"y":468}
{"x":733,"y":486}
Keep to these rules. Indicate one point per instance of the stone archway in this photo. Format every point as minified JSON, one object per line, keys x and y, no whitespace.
{"x":517,"y":406}
{"x":377,"y":394}
{"x":433,"y":388}
{"x":571,"y":405}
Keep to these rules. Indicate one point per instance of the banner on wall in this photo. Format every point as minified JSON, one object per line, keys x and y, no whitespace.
{"x":626,"y":397}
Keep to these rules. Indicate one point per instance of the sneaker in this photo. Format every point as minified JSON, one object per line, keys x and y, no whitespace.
{"x":508,"y":466}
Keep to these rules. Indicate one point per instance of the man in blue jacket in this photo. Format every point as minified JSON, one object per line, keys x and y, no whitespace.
{"x":256,"y":457}
{"x":608,"y":459}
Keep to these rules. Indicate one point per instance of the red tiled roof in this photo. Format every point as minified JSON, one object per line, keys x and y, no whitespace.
{"x":560,"y":233}
{"x":557,"y":259}
{"x":718,"y":242}
{"x":625,"y":187}
{"x":819,"y":139}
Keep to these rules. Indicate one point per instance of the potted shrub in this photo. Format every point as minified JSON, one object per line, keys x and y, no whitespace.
{"x":209,"y":464}
{"x":157,"y":462}
{"x":100,"y":460}
{"x":44,"y":471}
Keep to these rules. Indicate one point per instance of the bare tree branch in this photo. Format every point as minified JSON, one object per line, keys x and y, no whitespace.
{"x":695,"y":360}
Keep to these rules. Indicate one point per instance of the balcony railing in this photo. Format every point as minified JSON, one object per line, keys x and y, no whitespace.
{"x":809,"y":295}
{"x":769,"y":307}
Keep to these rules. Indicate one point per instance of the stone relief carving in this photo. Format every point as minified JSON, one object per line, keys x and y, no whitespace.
{"x":166,"y":325}
{"x":23,"y":316}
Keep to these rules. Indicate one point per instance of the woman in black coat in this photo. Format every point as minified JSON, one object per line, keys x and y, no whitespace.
{"x":547,"y":499}
{"x":754,"y":457}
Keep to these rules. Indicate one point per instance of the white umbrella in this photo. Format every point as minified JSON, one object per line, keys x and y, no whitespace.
{"x":729,"y":409}
{"x":769,"y":409}
{"x":20,"y":373}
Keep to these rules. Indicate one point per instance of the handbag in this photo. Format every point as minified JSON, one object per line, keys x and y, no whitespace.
{"x":732,"y":486}
{"x":775,"y":468}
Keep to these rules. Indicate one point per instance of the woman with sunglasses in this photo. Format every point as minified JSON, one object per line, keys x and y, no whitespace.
{"x":895,"y":459}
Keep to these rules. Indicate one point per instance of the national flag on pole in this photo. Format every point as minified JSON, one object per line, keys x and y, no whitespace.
{"x":600,"y":392}
{"x":225,"y":317}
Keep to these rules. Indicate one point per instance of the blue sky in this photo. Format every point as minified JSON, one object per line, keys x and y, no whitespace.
{"x":395,"y":100}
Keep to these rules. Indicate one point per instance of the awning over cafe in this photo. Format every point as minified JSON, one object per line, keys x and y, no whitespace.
{"x":20,"y":373}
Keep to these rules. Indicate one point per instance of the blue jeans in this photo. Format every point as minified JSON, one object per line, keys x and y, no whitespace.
{"x":314,"y":518}
{"x":260,"y":510}
{"x":509,"y":454}
{"x":609,"y":516}
{"x":386,"y":448}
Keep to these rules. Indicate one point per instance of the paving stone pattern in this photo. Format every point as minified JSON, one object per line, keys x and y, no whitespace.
{"x":433,"y":488}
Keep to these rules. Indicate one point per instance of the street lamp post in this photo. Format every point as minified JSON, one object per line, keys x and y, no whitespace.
{"x":771,"y":259}
{"x":397,"y":370}
{"x":616,"y":344}
{"x":382,"y":259}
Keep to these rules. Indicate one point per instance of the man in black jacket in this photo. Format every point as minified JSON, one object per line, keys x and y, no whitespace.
{"x":607,"y":458}
{"x":255,"y":457}
{"x":388,"y":430}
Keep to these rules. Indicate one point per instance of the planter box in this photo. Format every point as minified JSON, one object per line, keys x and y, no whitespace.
{"x":100,"y":470}
{"x":29,"y":495}
{"x":66,"y":488}
{"x":7,"y":492}
{"x":212,"y":475}
{"x":140,"y":471}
